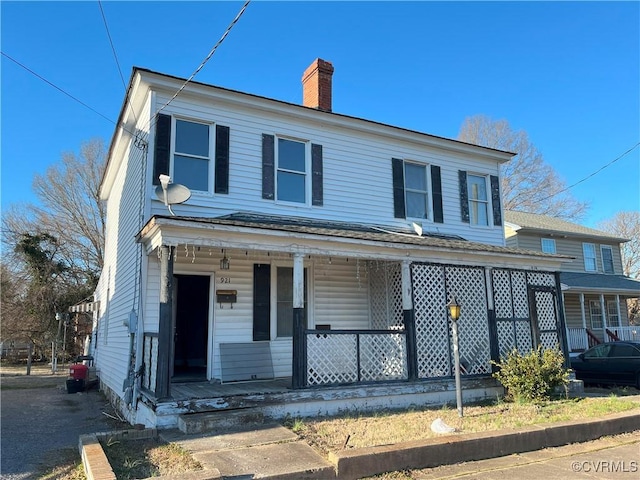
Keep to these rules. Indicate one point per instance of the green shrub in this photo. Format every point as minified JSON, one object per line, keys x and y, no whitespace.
{"x":532,"y":377}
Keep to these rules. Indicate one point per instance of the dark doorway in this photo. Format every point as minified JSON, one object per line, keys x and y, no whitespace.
{"x":191,"y":327}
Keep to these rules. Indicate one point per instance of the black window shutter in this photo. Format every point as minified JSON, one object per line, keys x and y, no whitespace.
{"x":495,"y":200}
{"x":162,"y":148}
{"x":268,"y":166}
{"x":316,"y":175}
{"x":261,"y":302}
{"x":464,"y":196}
{"x":436,"y":194}
{"x":397,"y":170}
{"x":222,"y":159}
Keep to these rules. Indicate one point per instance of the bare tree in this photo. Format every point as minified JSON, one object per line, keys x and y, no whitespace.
{"x":528,"y":183}
{"x":627,"y":225}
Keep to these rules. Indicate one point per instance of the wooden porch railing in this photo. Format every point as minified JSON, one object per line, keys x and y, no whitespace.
{"x":612,"y":336}
{"x":593,"y":340}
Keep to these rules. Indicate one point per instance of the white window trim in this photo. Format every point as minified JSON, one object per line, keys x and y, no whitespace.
{"x":613,"y":266}
{"x":307,"y":172}
{"x":595,"y":258}
{"x":552,"y":242}
{"x":429,"y":192}
{"x":211,"y":158}
{"x":273,"y":322}
{"x":487,"y":202}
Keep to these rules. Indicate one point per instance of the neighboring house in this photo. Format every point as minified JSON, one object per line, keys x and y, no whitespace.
{"x":316,"y":249}
{"x":594,"y":286}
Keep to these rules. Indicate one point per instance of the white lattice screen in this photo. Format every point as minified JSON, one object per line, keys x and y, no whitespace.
{"x":383,"y":357}
{"x":331,"y":359}
{"x":150,"y":361}
{"x":385,"y":286}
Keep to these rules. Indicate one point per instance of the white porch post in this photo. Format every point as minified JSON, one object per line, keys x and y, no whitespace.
{"x":299,"y":365}
{"x":618,"y":310}
{"x":409,"y":321}
{"x":582,"y":313}
{"x":603,"y":311}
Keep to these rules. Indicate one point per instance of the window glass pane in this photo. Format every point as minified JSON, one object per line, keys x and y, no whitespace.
{"x":416,"y":205}
{"x":191,"y":172}
{"x":612,"y":314}
{"x":284,"y":299}
{"x":415,"y":177}
{"x":291,"y":187}
{"x":623,"y":351}
{"x":477,"y":188}
{"x":291,"y":155}
{"x":596,"y":314}
{"x":600,"y":351}
{"x":589,"y":253}
{"x":607,"y":259}
{"x":192,"y":138}
{"x":548,"y":245}
{"x":478,"y":213}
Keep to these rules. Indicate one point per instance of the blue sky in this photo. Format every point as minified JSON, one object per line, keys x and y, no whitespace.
{"x":565,"y":72}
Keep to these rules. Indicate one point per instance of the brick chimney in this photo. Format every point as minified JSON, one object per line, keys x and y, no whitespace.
{"x":316,"y":85}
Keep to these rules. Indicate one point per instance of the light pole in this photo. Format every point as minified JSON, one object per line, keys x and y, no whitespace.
{"x":454,"y":313}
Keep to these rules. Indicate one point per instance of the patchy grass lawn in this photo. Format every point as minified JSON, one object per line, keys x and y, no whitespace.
{"x":133,"y":459}
{"x":388,"y":427}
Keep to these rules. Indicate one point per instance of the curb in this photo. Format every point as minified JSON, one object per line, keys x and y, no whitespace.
{"x":452,"y":449}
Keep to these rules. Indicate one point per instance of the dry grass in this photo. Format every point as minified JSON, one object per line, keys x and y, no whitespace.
{"x":134,"y":459}
{"x":389,"y":427}
{"x":15,"y":376}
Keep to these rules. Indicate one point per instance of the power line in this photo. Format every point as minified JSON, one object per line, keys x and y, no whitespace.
{"x":113,"y":49}
{"x":592,"y":174}
{"x":56,"y":87}
{"x":213,"y":50}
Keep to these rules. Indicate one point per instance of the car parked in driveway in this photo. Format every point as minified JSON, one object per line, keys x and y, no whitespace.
{"x":613,"y":363}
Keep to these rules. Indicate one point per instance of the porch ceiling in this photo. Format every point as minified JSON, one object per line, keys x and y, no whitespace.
{"x":600,"y":283}
{"x":314,"y":237}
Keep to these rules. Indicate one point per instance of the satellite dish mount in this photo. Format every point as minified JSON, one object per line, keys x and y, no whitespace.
{"x":171,"y":193}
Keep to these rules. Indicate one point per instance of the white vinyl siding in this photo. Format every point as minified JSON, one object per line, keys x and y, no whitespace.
{"x":548,"y":245}
{"x":357,"y":180}
{"x":607,"y":259}
{"x":589,"y":253}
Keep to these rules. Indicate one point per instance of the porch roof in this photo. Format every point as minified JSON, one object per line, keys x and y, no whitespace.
{"x":600,"y":283}
{"x":305,"y":233}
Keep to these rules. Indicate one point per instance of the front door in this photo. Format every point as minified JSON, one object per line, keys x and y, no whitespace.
{"x":191,"y":327}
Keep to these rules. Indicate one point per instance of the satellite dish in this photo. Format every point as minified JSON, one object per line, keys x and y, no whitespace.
{"x":171,"y":193}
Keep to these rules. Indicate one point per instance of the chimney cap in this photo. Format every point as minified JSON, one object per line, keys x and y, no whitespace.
{"x":318,"y":64}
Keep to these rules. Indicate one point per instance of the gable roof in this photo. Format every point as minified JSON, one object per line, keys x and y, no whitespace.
{"x":523,"y":221}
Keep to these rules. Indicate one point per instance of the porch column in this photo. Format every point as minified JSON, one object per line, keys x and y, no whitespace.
{"x":618,"y":310}
{"x":409,"y":321}
{"x":603,"y":311}
{"x":165,"y":337}
{"x":299,"y":365}
{"x":584,"y":317}
{"x":562,"y":324}
{"x":494,"y":347}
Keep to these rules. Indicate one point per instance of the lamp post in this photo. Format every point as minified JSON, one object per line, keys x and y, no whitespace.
{"x":454,"y":313}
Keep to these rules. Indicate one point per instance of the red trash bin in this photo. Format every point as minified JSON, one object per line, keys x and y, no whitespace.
{"x":77,"y":378}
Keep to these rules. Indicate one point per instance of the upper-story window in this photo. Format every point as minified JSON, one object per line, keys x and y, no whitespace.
{"x":549,"y":245}
{"x":416,"y":191}
{"x":292,"y":171}
{"x":191,"y":155}
{"x":478,"y":200}
{"x":589,"y":253}
{"x":607,"y":258}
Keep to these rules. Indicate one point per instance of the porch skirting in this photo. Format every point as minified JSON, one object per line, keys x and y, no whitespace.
{"x":323,"y":401}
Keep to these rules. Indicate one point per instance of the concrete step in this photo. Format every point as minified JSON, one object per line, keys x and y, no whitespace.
{"x":221,"y":421}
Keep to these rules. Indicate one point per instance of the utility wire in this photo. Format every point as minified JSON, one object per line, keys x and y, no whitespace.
{"x":213,"y":50}
{"x":56,"y":87}
{"x":592,"y":174}
{"x":113,"y":49}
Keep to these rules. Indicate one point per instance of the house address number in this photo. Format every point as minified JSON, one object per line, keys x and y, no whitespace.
{"x":225,"y":279}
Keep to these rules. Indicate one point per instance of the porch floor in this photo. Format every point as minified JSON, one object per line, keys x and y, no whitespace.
{"x":181,"y":391}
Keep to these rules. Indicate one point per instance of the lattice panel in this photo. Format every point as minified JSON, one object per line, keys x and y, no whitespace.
{"x":331,"y":359}
{"x":383,"y":357}
{"x":502,"y":293}
{"x":468,"y":286}
{"x":549,"y":340}
{"x":506,"y":337}
{"x":520,"y":295}
{"x":431,"y":321}
{"x":524,"y":340}
{"x":385,"y":284}
{"x":542,"y":279}
{"x":545,"y":308}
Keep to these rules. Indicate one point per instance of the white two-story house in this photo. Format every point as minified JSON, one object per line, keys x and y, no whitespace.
{"x":304,"y":252}
{"x":594,"y":287}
